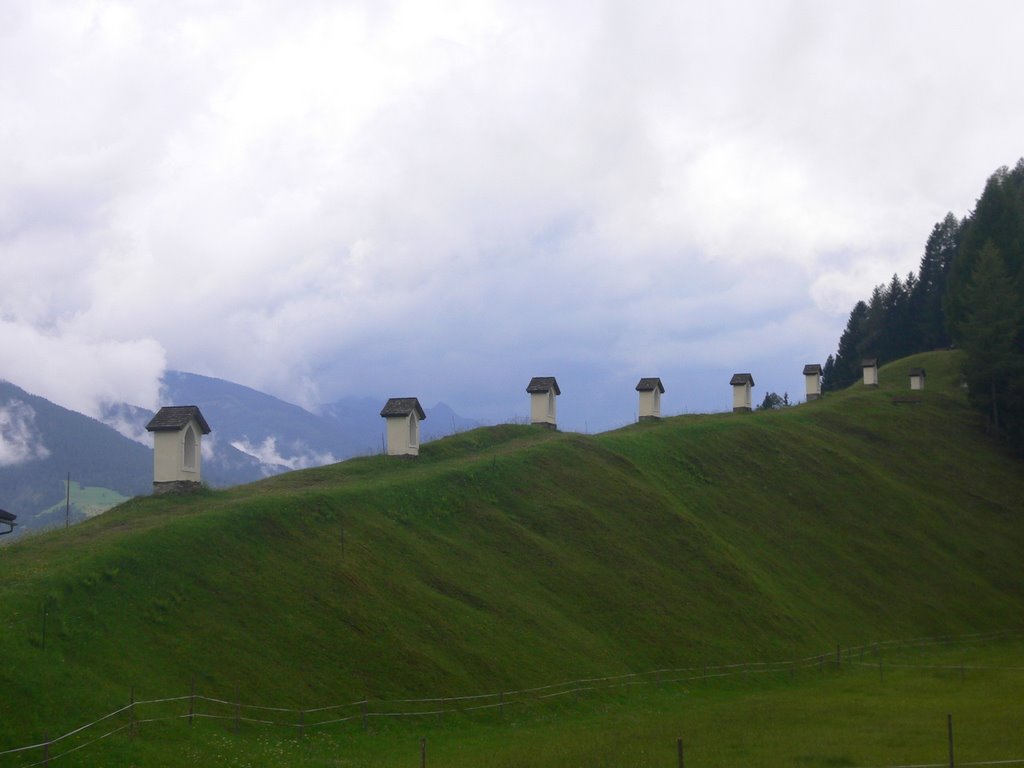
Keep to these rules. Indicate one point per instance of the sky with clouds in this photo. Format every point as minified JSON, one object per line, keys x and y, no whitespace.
{"x":443,"y":199}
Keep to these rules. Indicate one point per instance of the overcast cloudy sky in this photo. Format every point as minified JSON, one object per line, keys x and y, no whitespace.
{"x":443,"y":199}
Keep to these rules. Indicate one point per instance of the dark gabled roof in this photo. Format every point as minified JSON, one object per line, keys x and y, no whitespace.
{"x":869,"y":362}
{"x":543,"y":384}
{"x":171,"y":418}
{"x":917,"y":372}
{"x":7,"y":517}
{"x":811,"y":369}
{"x":402,"y":406}
{"x":649,"y":385}
{"x":742,"y":378}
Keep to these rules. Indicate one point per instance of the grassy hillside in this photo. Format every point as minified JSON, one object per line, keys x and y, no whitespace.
{"x":512,"y":556}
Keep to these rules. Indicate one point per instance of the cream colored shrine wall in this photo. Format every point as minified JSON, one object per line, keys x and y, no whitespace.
{"x":399,"y":433}
{"x":169,"y":456}
{"x":650,"y":403}
{"x":916,"y":382}
{"x":741,"y":396}
{"x":813,"y":382}
{"x":539,"y":406}
{"x":871,"y":376}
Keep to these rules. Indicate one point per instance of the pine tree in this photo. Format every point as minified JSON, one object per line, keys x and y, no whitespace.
{"x":928,"y":293}
{"x":998,"y":218}
{"x":846,"y":365}
{"x":993,"y":363}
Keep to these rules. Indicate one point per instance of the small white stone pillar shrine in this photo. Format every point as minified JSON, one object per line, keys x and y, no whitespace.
{"x":741,"y":385}
{"x":650,"y":391}
{"x":870,"y":366}
{"x":543,"y":390}
{"x":812,"y":379}
{"x":403,"y":416}
{"x":177,"y":448}
{"x":917,"y":378}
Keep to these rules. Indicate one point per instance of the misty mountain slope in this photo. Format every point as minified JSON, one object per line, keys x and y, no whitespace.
{"x":40,"y":443}
{"x":512,"y":556}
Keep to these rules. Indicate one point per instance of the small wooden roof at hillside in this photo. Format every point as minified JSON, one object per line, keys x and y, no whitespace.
{"x":171,"y":418}
{"x":651,"y":384}
{"x":738,"y":379}
{"x":811,"y":369}
{"x":869,"y":362}
{"x":402,"y":406}
{"x":543,"y":384}
{"x":917,"y":372}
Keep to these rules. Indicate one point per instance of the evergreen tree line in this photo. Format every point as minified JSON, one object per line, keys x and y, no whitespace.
{"x":968,"y":292}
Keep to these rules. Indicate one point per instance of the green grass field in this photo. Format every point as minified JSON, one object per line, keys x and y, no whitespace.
{"x":875,"y":709}
{"x":511,"y":557}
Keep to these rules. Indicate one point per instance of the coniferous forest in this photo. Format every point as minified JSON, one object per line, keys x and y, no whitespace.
{"x":967,"y":293}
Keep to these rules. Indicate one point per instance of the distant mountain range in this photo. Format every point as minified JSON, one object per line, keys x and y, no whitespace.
{"x":254,"y":435}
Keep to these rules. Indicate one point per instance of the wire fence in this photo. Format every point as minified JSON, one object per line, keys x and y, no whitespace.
{"x":299,"y":720}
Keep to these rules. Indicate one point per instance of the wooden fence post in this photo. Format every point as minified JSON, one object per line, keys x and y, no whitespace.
{"x":679,"y":751}
{"x":192,"y":701}
{"x":839,"y":655}
{"x":501,"y":704}
{"x":131,"y":714}
{"x":302,"y":723}
{"x":46,"y":747}
{"x":238,"y":708}
{"x":423,"y":752}
{"x":365,"y":706}
{"x":949,"y":728}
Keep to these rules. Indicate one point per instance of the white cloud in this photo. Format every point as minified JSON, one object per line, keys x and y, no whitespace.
{"x":322,"y":199}
{"x":81,"y":373}
{"x":268,"y":454}
{"x":20,"y":440}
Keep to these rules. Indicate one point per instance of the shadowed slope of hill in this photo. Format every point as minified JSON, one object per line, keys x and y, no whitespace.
{"x":512,"y":556}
